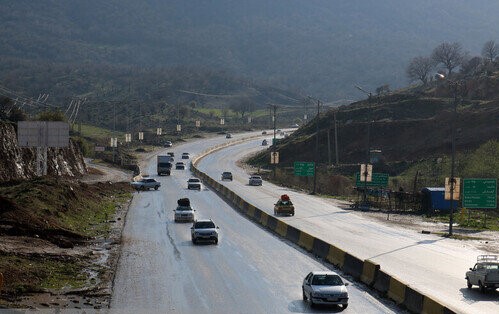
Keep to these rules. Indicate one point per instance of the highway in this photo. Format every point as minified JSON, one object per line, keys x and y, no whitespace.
{"x":249,"y":271}
{"x":432,"y":264}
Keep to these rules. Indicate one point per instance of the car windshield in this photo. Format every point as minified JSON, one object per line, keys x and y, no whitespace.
{"x":204,"y":225}
{"x":327,"y":280}
{"x":255,"y":178}
{"x":193,"y":180}
{"x":181,"y":208}
{"x":492,"y":266}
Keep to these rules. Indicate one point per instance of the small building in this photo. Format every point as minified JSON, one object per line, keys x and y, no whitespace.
{"x":434,"y":199}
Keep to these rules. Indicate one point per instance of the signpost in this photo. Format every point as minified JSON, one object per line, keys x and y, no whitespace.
{"x":457,"y":189}
{"x":480,"y":193}
{"x":377,"y":180}
{"x":274,"y":158}
{"x":304,"y":169}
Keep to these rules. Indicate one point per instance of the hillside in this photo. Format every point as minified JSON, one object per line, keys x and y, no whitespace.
{"x":406,"y":126}
{"x":318,"y":47}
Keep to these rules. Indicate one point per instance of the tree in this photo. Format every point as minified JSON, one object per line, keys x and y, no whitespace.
{"x":471,"y":66}
{"x":242,"y":106}
{"x":490,"y":51}
{"x":449,"y":54}
{"x":420,"y":68}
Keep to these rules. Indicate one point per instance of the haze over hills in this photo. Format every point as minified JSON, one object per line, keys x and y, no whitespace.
{"x":317,"y":47}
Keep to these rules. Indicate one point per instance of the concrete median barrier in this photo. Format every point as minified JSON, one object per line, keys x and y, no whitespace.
{"x":293,"y":234}
{"x":320,"y":248}
{"x":396,"y":292}
{"x":353,"y":266}
{"x":336,"y":256}
{"x":264,"y":218}
{"x":413,"y":300}
{"x":281,"y":229}
{"x":369,"y":272}
{"x":306,"y":241}
{"x":382,"y":282}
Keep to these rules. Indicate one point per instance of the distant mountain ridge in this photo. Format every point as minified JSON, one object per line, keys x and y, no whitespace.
{"x":320,"y":47}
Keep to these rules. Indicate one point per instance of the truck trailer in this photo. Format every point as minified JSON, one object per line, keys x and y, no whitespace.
{"x":164,"y":165}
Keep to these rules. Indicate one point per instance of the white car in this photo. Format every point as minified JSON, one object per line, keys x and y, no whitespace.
{"x":325,"y":287}
{"x":184,"y":211}
{"x":255,"y":180}
{"x":180,"y":165}
{"x":185,"y":155}
{"x":204,"y":230}
{"x":194,"y":183}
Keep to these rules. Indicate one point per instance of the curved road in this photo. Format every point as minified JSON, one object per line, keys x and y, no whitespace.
{"x":430,"y":263}
{"x":249,"y":271}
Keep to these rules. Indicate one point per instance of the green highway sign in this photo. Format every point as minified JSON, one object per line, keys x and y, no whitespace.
{"x":304,"y":169}
{"x":378,"y":180}
{"x":480,"y":193}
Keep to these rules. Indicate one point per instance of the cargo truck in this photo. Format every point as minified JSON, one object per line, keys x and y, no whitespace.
{"x":164,"y":165}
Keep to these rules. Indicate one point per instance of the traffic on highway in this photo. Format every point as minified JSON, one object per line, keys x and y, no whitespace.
{"x":237,"y":267}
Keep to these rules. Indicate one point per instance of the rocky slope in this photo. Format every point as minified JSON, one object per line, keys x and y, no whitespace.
{"x":18,"y":163}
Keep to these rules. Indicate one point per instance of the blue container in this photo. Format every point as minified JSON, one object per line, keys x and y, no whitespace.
{"x":434,"y":199}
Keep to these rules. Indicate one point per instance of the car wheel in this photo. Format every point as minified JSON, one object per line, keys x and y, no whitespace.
{"x":194,"y":241}
{"x":156,"y":188}
{"x":143,"y":188}
{"x":344,"y":306}
{"x":275,"y":213}
{"x":468,"y":283}
{"x":481,"y":287}
{"x":215,"y":241}
{"x":304,"y":295}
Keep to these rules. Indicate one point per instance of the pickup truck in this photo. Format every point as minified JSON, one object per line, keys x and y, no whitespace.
{"x":146,"y":184}
{"x":485,"y":273}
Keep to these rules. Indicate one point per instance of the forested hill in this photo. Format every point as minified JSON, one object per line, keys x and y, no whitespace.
{"x":322,"y":47}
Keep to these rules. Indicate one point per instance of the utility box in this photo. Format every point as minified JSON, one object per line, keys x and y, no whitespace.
{"x":434,"y":199}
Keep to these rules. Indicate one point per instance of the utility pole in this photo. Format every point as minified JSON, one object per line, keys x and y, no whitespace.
{"x":368,"y":152}
{"x":328,"y":146}
{"x":274,"y":143}
{"x":316,"y":144}
{"x":336,"y":139}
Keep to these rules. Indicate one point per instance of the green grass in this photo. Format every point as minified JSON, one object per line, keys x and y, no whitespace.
{"x":90,"y":131}
{"x":32,"y":274}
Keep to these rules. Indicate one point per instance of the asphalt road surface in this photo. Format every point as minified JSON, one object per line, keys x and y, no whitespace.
{"x":430,"y":263}
{"x":249,"y":271}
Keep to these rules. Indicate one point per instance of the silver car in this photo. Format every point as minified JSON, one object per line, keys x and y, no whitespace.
{"x":255,"y":180}
{"x":184,"y":213}
{"x":325,"y":287}
{"x":194,"y":183}
{"x":204,"y":230}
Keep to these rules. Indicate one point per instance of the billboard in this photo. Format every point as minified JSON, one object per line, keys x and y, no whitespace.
{"x":42,"y":134}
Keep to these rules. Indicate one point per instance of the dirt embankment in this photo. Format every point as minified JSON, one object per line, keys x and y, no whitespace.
{"x":59,"y":242}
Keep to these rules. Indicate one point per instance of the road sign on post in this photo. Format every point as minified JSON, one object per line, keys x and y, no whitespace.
{"x":456,"y":194}
{"x":198,"y":123}
{"x":480,"y":193}
{"x":304,"y":169}
{"x":158,"y":131}
{"x":141,"y":136}
{"x":366,"y":174}
{"x":378,"y":180}
{"x":179,"y":128}
{"x":274,"y":158}
{"x":222,"y":121}
{"x":128,"y":137}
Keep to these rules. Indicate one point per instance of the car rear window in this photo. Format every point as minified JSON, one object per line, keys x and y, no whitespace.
{"x":327,"y":280}
{"x":204,"y":225}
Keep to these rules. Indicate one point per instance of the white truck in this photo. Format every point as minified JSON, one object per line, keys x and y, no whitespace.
{"x":164,"y":165}
{"x":485,"y":273}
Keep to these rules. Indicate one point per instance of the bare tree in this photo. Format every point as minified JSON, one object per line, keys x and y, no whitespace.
{"x":490,"y":51}
{"x":449,"y":54}
{"x":242,"y":106}
{"x":420,"y":68}
{"x":471,"y":66}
